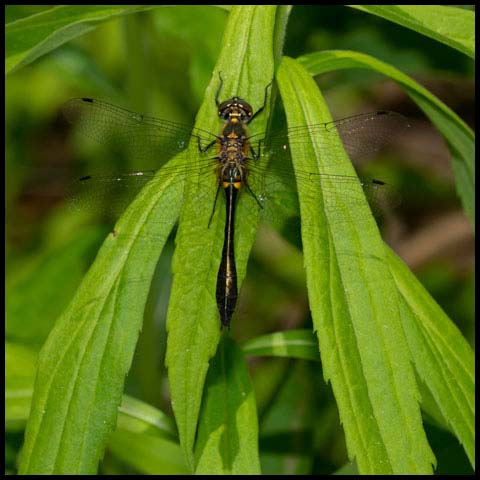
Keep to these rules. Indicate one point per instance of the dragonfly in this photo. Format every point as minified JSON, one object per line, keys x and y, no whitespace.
{"x":240,"y":162}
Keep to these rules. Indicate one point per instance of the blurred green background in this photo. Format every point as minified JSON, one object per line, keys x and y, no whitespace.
{"x":159,"y":62}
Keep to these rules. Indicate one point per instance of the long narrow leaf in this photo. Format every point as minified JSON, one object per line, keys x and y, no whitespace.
{"x":450,"y":25}
{"x":442,"y":356}
{"x":145,"y":439}
{"x":20,"y":362}
{"x":28,"y":38}
{"x":246,"y":66}
{"x":355,"y":306}
{"x":447,"y":372}
{"x":83,"y":364}
{"x":228,"y":431}
{"x":20,"y":365}
{"x":148,"y":454}
{"x":459,"y":136}
{"x":292,"y":343}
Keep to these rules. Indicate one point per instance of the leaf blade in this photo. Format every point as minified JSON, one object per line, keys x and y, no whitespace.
{"x":193,"y":325}
{"x":442,"y":356}
{"x":450,"y":25}
{"x":366,"y":360}
{"x":29,"y":38}
{"x":291,"y":343}
{"x":458,"y":135}
{"x":228,"y":432}
{"x":83,"y":364}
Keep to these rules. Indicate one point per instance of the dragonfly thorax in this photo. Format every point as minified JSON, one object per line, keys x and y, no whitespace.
{"x":233,"y":145}
{"x":232,"y":174}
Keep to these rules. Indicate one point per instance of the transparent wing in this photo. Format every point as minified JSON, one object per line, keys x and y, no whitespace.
{"x":124,"y":131}
{"x":362,"y":135}
{"x":276,"y":186}
{"x":113,"y":193}
{"x":107,"y":193}
{"x":145,"y":138}
{"x":271,"y":178}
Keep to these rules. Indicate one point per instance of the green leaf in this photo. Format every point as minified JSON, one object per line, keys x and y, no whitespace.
{"x":291,"y":343}
{"x":228,"y":431}
{"x":15,"y":12}
{"x":29,"y":38}
{"x":348,"y":469}
{"x":83,"y":364}
{"x":20,"y":364}
{"x":202,"y":37}
{"x":193,"y":325}
{"x":298,"y":421}
{"x":443,"y":358}
{"x":145,"y":438}
{"x":49,"y":280}
{"x":149,"y":454}
{"x":458,"y":135}
{"x":447,"y":24}
{"x":354,"y":303}
{"x":139,"y":417}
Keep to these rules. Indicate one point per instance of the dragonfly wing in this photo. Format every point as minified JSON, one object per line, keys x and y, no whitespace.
{"x":362,"y":135}
{"x":366,"y":134}
{"x":123,"y":131}
{"x":275,"y":182}
{"x":100,"y":194}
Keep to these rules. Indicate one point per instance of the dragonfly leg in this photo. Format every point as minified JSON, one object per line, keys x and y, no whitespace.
{"x":252,"y":194}
{"x":204,"y":149}
{"x":260,"y":110}
{"x":256,"y":154}
{"x":219,"y":89}
{"x":214,"y":205}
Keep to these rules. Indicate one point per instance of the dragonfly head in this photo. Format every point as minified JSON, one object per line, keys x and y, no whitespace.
{"x":235,"y":108}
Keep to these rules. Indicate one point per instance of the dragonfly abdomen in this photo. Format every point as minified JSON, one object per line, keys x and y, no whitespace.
{"x":227,"y":290}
